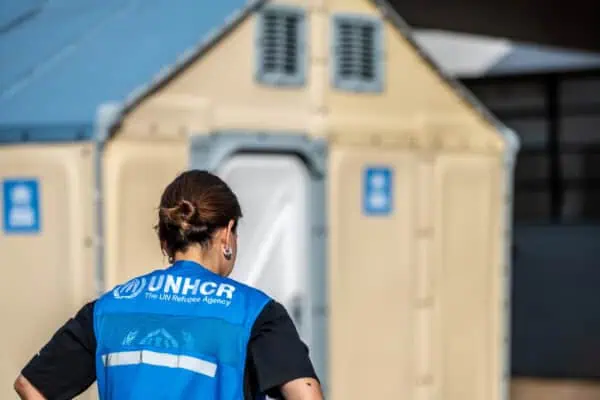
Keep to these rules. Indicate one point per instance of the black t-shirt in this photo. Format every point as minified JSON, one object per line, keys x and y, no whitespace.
{"x":65,"y":366}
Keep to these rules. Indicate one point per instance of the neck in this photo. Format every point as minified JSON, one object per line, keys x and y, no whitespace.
{"x":206,"y":258}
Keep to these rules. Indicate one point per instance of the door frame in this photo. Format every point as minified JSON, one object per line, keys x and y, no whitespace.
{"x":208,"y":152}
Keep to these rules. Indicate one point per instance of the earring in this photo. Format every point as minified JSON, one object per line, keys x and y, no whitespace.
{"x":170,"y":258}
{"x":227,"y":253}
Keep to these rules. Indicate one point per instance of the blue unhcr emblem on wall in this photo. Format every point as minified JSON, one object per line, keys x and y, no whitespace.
{"x":22,"y":213}
{"x":378,"y":191}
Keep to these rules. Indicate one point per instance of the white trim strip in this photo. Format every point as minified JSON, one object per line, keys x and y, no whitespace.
{"x":161,"y":360}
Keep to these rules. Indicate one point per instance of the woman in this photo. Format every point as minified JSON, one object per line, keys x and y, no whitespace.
{"x":184,"y":332}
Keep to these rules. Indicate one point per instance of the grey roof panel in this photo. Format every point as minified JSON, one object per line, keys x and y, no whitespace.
{"x":530,"y":58}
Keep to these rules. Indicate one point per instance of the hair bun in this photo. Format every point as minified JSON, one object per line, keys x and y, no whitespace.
{"x":186,"y":210}
{"x":183,"y":215}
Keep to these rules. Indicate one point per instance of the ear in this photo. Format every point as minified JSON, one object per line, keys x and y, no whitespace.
{"x":228,"y":233}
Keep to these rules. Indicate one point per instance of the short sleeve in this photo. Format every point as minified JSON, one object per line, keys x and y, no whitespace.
{"x":65,"y":366}
{"x":276,"y":354}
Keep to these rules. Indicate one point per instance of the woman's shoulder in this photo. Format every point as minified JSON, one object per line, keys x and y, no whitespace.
{"x":273,"y":310}
{"x":273,"y":318}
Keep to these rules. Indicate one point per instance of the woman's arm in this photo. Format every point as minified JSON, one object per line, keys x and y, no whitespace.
{"x":65,"y":366}
{"x":302,"y":389}
{"x":26,"y":390}
{"x":279,"y":361}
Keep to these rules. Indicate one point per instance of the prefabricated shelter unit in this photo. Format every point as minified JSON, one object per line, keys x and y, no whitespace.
{"x":376,"y":190}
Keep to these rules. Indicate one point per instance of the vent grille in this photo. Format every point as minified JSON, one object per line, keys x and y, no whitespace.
{"x":357,"y":54}
{"x":281,"y":47}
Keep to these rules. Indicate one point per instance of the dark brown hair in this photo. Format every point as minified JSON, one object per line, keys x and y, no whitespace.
{"x":192,"y":207}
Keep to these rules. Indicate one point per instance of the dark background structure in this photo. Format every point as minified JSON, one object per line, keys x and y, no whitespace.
{"x":572,"y":24}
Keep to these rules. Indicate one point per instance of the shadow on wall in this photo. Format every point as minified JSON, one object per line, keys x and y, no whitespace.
{"x":556,"y":302}
{"x":590,"y":195}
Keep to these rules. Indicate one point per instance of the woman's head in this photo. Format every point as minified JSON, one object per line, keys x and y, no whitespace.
{"x":197,"y":220}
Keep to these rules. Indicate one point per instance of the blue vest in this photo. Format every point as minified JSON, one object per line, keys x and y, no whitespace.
{"x":177,"y":333}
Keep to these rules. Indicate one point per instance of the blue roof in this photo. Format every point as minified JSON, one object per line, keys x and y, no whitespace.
{"x":67,"y":57}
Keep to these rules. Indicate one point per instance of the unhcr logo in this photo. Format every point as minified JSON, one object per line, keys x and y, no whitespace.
{"x":177,"y":285}
{"x":172,"y":288}
{"x":131,"y":289}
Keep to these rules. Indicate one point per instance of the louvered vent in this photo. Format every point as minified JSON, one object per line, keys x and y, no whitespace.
{"x":358,"y":61}
{"x":281,"y":46}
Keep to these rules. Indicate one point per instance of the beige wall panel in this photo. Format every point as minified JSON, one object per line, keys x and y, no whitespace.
{"x":547,"y":389}
{"x":358,"y":6}
{"x":468,"y":278}
{"x":135,"y":175}
{"x":370,"y":278}
{"x":50,"y":275}
{"x":219,"y":91}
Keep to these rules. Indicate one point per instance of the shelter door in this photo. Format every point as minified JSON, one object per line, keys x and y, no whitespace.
{"x":274,"y":234}
{"x":280,"y":183}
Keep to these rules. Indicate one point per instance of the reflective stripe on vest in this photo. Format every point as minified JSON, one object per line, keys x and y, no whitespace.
{"x":161,"y":360}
